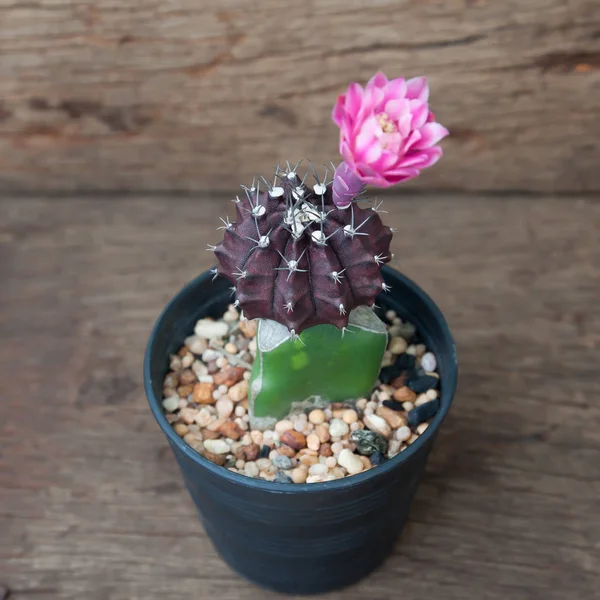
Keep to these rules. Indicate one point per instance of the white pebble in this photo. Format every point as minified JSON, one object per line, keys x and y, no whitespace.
{"x":251,"y":469}
{"x":205,"y":379}
{"x":240,"y":411}
{"x":422,"y":399}
{"x":239,"y":464}
{"x":199,"y":368}
{"x":422,"y":427}
{"x":224,"y":407}
{"x":209,"y":355}
{"x":313,"y":442}
{"x":210,"y":330}
{"x":402,"y":433}
{"x":350,"y":461}
{"x":239,"y":391}
{"x":247,"y":375}
{"x":407,"y":406}
{"x":330,"y":462}
{"x":263,"y":464}
{"x":217,"y":446}
{"x":222,"y":362}
{"x":187,"y":360}
{"x":223,"y":388}
{"x":355,"y":426}
{"x":171,"y":404}
{"x":230,"y":316}
{"x":284,"y":425}
{"x":432,"y":394}
{"x":318,"y":469}
{"x":231,"y":348}
{"x":378,"y":425}
{"x":300,"y":426}
{"x":216,"y":394}
{"x":196,"y":344}
{"x":384,"y":396}
{"x":338,"y":428}
{"x":394,"y":448}
{"x":252,"y":346}
{"x":428,"y":361}
{"x":388,"y":359}
{"x":204,"y":417}
{"x":390,"y":315}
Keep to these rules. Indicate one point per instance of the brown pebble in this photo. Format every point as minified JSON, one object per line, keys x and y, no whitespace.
{"x":180,"y":429}
{"x":308,"y":452}
{"x":187,"y":376}
{"x":292,"y":438}
{"x":400,"y":381}
{"x":248,"y":328}
{"x":323,"y":433}
{"x":171,"y":380}
{"x":338,"y":413}
{"x":183,"y":351}
{"x":309,"y":460}
{"x":231,"y":430}
{"x":229,"y":376}
{"x":394,"y":418}
{"x":404,"y":394}
{"x":216,"y":424}
{"x":325,"y":450}
{"x":207,"y":434}
{"x":247,"y":453}
{"x":185,"y":390}
{"x":218,"y":459}
{"x":203,"y":393}
{"x":286,"y":451}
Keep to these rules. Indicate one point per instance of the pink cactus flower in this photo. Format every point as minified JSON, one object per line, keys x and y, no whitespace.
{"x":387,"y":134}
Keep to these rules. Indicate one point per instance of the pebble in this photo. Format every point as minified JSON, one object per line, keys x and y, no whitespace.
{"x":282,"y":462}
{"x":378,"y":425}
{"x":283,"y":478}
{"x":294,"y":439}
{"x":171,"y":404}
{"x":203,"y":393}
{"x":325,"y":450}
{"x":350,"y":461}
{"x":217,"y":447}
{"x":185,"y":390}
{"x":264,"y":451}
{"x":175,"y":363}
{"x":393,"y":418}
{"x":322,"y":432}
{"x":263,"y":463}
{"x":338,"y":428}
{"x":422,"y":428}
{"x":377,"y":458}
{"x":240,"y":411}
{"x":249,"y":452}
{"x":210,"y":330}
{"x":394,"y":449}
{"x":218,"y":459}
{"x":318,"y":469}
{"x":215,"y":424}
{"x":316,"y":416}
{"x":422,"y":384}
{"x":204,"y":418}
{"x":368,"y":442}
{"x":428,"y":361}
{"x":251,"y":469}
{"x":402,"y":433}
{"x":248,"y":328}
{"x":404,"y":394}
{"x":361,"y":404}
{"x":224,"y":407}
{"x":407,"y":406}
{"x":350,"y":416}
{"x":398,"y":345}
{"x":188,"y":415}
{"x":423,"y":413}
{"x":299,"y":475}
{"x":232,"y":430}
{"x":432,"y":394}
{"x":180,"y":429}
{"x":313,"y":442}
{"x":286,"y":451}
{"x":210,"y":355}
{"x":221,"y":362}
{"x":239,"y":391}
{"x":229,"y":376}
{"x":330,"y":462}
{"x":197,"y":345}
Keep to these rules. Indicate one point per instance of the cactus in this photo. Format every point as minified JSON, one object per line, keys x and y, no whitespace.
{"x":306,"y":269}
{"x":297,"y":259}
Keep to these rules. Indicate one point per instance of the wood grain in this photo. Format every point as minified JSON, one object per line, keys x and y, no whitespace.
{"x":91,"y":501}
{"x":182,"y":95}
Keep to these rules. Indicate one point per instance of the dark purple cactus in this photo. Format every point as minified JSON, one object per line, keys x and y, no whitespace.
{"x":295,"y":258}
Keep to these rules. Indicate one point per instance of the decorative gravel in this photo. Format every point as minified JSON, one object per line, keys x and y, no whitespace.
{"x":205,"y":399}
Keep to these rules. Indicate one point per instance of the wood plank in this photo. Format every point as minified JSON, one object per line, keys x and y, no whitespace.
{"x":91,"y":502}
{"x":105,"y":95}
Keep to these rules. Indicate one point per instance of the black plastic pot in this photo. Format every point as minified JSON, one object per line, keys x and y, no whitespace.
{"x":309,"y":538}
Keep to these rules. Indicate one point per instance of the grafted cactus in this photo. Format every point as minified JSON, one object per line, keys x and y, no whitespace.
{"x":296,"y":258}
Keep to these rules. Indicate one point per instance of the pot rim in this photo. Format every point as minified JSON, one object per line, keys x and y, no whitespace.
{"x":446,"y":396}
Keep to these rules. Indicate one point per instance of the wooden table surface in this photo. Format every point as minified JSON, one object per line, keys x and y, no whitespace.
{"x":91,"y":503}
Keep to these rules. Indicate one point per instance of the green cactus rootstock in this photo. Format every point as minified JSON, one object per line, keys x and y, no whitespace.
{"x":322,"y":364}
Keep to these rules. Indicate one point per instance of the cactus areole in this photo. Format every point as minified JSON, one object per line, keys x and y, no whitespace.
{"x":297,"y":259}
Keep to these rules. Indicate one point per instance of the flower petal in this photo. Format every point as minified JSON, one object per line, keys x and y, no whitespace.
{"x":417,"y":88}
{"x":379,"y":80}
{"x":431,"y":134}
{"x":339,"y":110}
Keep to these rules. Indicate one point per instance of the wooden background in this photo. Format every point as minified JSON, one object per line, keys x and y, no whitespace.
{"x":203,"y":94}
{"x":92,"y":506}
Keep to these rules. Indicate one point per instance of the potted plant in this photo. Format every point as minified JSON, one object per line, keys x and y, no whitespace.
{"x":301,"y":383}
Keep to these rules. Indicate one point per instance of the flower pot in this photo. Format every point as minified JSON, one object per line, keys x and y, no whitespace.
{"x":300,"y":538}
